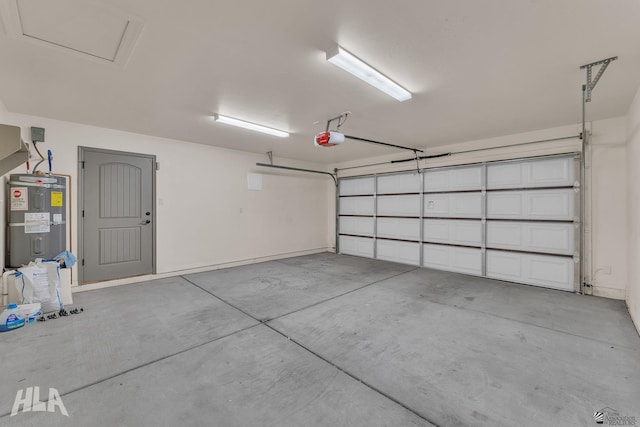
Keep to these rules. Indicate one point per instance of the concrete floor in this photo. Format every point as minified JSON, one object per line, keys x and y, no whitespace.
{"x":327,"y":340}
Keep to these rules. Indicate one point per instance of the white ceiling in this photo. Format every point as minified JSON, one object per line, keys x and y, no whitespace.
{"x":477,"y":69}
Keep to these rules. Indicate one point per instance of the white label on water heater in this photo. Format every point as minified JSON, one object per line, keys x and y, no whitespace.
{"x":38,"y":222}
{"x":19,"y":198}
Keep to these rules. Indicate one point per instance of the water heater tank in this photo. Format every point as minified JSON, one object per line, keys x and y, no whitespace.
{"x":37,"y":218}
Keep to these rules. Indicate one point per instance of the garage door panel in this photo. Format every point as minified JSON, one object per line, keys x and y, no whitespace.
{"x":436,"y":256}
{"x":466,"y":204}
{"x":553,"y":238}
{"x":532,"y":237}
{"x":436,"y":205}
{"x":437,"y":230}
{"x":541,"y":270}
{"x":357,"y":186}
{"x":454,"y":232}
{"x":552,"y":204}
{"x":466,"y":178}
{"x":402,"y":183}
{"x":453,"y":258}
{"x":505,"y":235}
{"x":454,"y":205}
{"x":357,"y":206}
{"x":504,"y":175}
{"x":360,"y":246}
{"x":399,"y":228}
{"x":553,"y":172}
{"x":504,"y":265}
{"x":356,"y":225}
{"x":408,"y":205}
{"x":505,"y":205}
{"x":437,"y":180}
{"x":550,"y":172}
{"x":402,"y":252}
{"x":532,"y":204}
{"x":454,"y":179}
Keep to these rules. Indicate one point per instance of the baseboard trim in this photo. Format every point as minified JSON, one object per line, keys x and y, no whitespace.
{"x":601,"y":291}
{"x":137,"y":279}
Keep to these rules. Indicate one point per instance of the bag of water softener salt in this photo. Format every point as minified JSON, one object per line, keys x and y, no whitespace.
{"x":40,"y":282}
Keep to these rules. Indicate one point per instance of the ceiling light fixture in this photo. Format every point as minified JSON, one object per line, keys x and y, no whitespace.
{"x":251,"y":126}
{"x":345,"y":60}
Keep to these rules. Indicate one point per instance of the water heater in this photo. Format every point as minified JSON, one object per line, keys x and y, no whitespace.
{"x":37,"y":218}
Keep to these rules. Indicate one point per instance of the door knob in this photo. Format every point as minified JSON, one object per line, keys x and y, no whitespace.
{"x":145,"y":222}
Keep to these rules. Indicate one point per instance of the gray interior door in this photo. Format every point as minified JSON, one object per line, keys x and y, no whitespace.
{"x":117,"y":215}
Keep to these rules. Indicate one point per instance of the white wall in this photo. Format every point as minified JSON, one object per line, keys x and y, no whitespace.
{"x":205,"y":209}
{"x":605,"y":217}
{"x":633,"y":216}
{"x":3,"y":111}
{"x":205,"y":214}
{"x":3,"y":114}
{"x":608,"y":208}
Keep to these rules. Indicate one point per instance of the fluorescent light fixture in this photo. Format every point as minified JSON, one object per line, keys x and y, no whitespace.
{"x":251,"y":126}
{"x":343,"y":59}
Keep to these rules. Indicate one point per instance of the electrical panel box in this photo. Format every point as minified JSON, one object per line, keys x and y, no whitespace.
{"x":37,"y":134}
{"x":36,"y":218}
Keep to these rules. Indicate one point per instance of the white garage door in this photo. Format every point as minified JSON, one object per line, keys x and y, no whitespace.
{"x":453,"y":213}
{"x":357,"y":216}
{"x":510,"y":220}
{"x":533,"y":222}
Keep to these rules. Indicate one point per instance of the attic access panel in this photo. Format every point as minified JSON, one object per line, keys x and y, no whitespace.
{"x":87,"y":29}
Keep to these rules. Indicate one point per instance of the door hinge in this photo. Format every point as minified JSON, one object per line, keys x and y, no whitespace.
{"x":82,"y":164}
{"x":157,"y":166}
{"x":83,"y":213}
{"x":83,"y":261}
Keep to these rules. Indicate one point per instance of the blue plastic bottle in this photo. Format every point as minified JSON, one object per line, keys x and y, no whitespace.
{"x":12,"y":318}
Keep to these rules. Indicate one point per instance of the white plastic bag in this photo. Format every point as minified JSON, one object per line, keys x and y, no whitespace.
{"x":40,"y":282}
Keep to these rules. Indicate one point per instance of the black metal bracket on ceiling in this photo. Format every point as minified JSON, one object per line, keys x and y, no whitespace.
{"x":343,"y":118}
{"x":334,"y":176}
{"x":591,"y":83}
{"x":271,"y":165}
